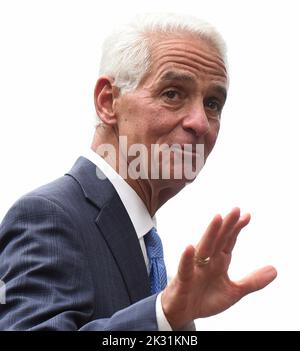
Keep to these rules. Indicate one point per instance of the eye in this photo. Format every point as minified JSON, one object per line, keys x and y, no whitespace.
{"x":213,"y":104}
{"x":171,"y":94}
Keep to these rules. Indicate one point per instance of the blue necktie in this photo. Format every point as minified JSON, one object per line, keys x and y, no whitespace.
{"x":158,"y":274}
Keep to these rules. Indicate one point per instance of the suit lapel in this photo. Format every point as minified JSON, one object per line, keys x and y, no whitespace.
{"x":115,"y":225}
{"x":117,"y":229}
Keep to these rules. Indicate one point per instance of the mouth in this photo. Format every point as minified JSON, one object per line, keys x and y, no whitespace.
{"x":179,"y":161}
{"x":194,"y":149}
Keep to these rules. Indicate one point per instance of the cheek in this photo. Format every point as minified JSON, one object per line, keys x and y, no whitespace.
{"x":144,"y":120}
{"x":211,"y":138}
{"x":153,"y":122}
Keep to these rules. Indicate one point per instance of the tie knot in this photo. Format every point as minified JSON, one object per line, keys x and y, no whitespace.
{"x":153,"y":244}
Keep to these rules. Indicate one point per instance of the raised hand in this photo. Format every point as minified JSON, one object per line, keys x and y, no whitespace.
{"x":202,"y":287}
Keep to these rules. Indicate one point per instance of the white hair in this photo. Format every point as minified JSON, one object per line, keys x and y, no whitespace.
{"x":126,"y":55}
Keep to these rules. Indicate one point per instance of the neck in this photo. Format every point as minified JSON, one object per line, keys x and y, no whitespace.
{"x":154,"y":193}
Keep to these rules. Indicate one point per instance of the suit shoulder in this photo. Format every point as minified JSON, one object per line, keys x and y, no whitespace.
{"x":57,"y":190}
{"x":56,"y":196}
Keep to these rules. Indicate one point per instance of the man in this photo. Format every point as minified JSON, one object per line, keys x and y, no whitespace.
{"x":77,"y":254}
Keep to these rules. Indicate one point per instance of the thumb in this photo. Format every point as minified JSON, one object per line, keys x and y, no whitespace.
{"x":257,"y":280}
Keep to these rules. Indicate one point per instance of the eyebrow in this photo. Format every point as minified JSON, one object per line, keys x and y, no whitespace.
{"x":172,"y":75}
{"x":221,"y":90}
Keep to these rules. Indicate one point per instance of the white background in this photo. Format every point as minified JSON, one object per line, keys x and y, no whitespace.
{"x":49,"y":54}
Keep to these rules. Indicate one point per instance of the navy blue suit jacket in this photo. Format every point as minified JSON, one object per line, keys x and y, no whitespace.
{"x":71,"y":260}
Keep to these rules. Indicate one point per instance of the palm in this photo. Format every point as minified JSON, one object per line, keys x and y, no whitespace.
{"x":217,"y":292}
{"x":202,"y":290}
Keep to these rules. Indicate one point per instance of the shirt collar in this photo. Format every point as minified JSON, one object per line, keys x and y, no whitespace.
{"x":135,"y":207}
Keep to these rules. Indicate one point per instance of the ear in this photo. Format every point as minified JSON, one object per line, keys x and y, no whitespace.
{"x":104,"y":95}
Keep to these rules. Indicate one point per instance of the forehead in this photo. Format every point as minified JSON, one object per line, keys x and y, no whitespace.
{"x":197,"y":58}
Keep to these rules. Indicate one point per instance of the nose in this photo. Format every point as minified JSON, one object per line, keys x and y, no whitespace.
{"x":196,"y":122}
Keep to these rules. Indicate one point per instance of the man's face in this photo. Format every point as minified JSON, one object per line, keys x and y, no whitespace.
{"x":180,"y":100}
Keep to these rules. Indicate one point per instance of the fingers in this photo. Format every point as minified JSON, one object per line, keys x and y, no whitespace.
{"x":221,"y":234}
{"x":206,"y":245}
{"x":186,"y":264}
{"x":242,"y":222}
{"x":257,"y":280}
{"x":226,"y":229}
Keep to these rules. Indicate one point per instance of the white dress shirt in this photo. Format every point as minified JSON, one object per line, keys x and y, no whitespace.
{"x":139,"y":217}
